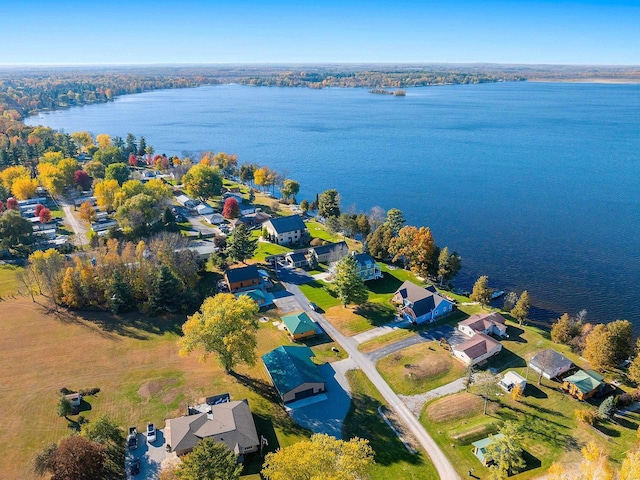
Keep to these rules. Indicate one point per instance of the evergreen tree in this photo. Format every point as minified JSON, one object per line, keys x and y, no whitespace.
{"x":395,"y":220}
{"x":168,"y":216}
{"x":166,"y":291}
{"x":348,"y":284}
{"x":607,"y":408}
{"x":379,"y":241}
{"x":521,"y":309}
{"x":481,"y":292}
{"x":329,"y":204}
{"x":241,"y":246}
{"x":120,"y":298}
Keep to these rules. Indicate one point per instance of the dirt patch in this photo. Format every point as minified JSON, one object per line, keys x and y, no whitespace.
{"x":428,"y":366}
{"x":153,"y":387}
{"x":455,"y":407}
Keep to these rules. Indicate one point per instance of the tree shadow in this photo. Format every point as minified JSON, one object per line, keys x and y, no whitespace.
{"x":262,"y":388}
{"x":377,"y":313}
{"x":504,"y":360}
{"x":531,"y":462}
{"x":606,"y":430}
{"x":133,"y":324}
{"x":385,"y":285}
{"x":264,"y":426}
{"x":515,"y":335}
{"x":534,"y":392}
{"x":625,"y":423}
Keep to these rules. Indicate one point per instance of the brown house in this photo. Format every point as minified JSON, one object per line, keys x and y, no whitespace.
{"x":242,"y":278}
{"x":583,"y":384}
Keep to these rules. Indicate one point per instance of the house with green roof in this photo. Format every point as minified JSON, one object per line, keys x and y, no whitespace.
{"x":299,"y":326}
{"x":583,"y":384}
{"x":480,"y":447}
{"x":263,"y":299}
{"x":293,"y":373}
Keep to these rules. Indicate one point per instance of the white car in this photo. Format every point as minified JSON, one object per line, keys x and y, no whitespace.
{"x":151,"y":432}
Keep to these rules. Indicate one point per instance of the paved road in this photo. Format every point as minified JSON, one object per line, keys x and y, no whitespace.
{"x":79,"y":230}
{"x":443,"y":465}
{"x":381,"y":330}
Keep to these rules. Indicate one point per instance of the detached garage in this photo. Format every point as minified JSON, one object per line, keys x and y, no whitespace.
{"x":293,"y":373}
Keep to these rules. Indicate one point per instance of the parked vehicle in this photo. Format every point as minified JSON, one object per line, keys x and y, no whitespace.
{"x":151,"y":433}
{"x":134,"y":466}
{"x":313,"y":306}
{"x":132,"y":438}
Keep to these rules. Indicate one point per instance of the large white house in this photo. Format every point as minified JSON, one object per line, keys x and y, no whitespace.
{"x":286,"y":230}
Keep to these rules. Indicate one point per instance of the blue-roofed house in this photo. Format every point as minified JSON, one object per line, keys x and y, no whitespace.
{"x":368,"y":268}
{"x":419,"y":304}
{"x":288,"y":230}
{"x":480,"y":447}
{"x":293,"y":373}
{"x":263,"y":299}
{"x":299,"y":326}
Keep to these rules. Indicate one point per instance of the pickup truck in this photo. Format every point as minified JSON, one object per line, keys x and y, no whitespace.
{"x":132,"y":438}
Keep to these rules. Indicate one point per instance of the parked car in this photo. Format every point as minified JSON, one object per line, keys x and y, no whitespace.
{"x":313,"y":306}
{"x":151,"y":433}
{"x":134,"y":466}
{"x":132,"y":439}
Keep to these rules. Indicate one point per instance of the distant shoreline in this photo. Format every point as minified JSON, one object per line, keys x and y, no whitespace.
{"x":612,"y":81}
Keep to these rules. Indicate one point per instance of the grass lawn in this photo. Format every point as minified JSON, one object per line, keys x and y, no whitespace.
{"x":317,"y":230}
{"x":547,"y":414}
{"x":9,"y":283}
{"x":393,"y":461}
{"x":353,"y":320}
{"x":386,"y":339}
{"x":317,"y":293}
{"x":420,"y":368}
{"x":56,"y":212}
{"x":132,"y":359}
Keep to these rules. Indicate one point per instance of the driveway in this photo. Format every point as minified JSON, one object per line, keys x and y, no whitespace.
{"x":151,"y":456}
{"x":328,"y":416}
{"x":450,"y":333}
{"x":286,"y":302}
{"x":79,"y":230}
{"x":294,"y":276}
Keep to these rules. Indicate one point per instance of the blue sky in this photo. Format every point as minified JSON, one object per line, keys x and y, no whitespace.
{"x":143,"y":31}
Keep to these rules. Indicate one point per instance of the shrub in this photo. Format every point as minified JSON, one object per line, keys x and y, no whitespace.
{"x":607,"y":408}
{"x":587,"y":416}
{"x":316,"y":242}
{"x":65,"y":391}
{"x":89,"y":391}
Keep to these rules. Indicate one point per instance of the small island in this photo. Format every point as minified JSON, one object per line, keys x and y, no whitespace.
{"x":382,"y":91}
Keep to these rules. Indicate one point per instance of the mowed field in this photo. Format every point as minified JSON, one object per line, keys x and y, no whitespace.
{"x":135,"y":363}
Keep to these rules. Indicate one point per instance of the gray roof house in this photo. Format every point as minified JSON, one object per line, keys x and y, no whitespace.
{"x":230,"y":423}
{"x":550,"y":363}
{"x":286,"y":230}
{"x":421,"y":304}
{"x":330,"y":252}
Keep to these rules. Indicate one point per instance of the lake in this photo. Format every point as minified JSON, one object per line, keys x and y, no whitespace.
{"x":535,"y":184}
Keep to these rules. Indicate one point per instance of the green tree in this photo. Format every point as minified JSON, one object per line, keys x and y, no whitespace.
{"x":290,"y":189}
{"x":224,"y":325}
{"x":247,"y":171}
{"x":108,"y":156}
{"x":120,"y":297}
{"x":506,"y":452}
{"x":320,"y":457}
{"x":106,"y":432}
{"x":15,"y":231}
{"x":363,"y":226}
{"x":241,"y":246}
{"x":166,"y":292}
{"x":138,"y":211}
{"x":348,"y":284}
{"x":118,"y":172}
{"x":599,"y":348}
{"x":304,"y":206}
{"x":379,"y":241}
{"x":329,"y":204}
{"x":449,"y":265}
{"x":634,"y":368}
{"x":607,"y":408}
{"x":521,"y":310}
{"x":481,"y":292}
{"x":395,"y":220}
{"x":64,"y":407}
{"x":210,"y":460}
{"x":202,"y":181}
{"x":95,"y":169}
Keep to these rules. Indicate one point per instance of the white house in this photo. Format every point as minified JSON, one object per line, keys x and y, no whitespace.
{"x":477,"y":349}
{"x":286,"y":230}
{"x":510,"y":380}
{"x":488,"y":323}
{"x":204,"y":209}
{"x":550,"y":363}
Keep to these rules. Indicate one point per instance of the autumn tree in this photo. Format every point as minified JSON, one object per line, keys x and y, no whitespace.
{"x":83,"y":139}
{"x":24,"y":188}
{"x":241,"y":246}
{"x":210,"y":460}
{"x":630,"y":469}
{"x":11,"y":174}
{"x":231,"y":209}
{"x":329,"y":204}
{"x":138,"y":211}
{"x":224,"y":325}
{"x":82,"y":179}
{"x":51,"y":178}
{"x":395,"y":220}
{"x":105,"y":193}
{"x":95,"y":169}
{"x":103,"y":140}
{"x":449,"y":265}
{"x":521,"y":310}
{"x":304,"y":206}
{"x":481,"y":292}
{"x":599,"y":348}
{"x":74,"y":458}
{"x":68,"y":167}
{"x":347,"y":282}
{"x":564,"y":329}
{"x":634,"y":368}
{"x":415,"y":247}
{"x":44,"y":215}
{"x":87,"y":212}
{"x":322,"y":456}
{"x":557,"y":472}
{"x":48,"y":268}
{"x":622,"y":340}
{"x":595,"y":465}
{"x":202,"y":181}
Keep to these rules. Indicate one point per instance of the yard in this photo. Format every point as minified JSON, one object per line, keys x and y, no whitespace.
{"x":393,"y":461}
{"x":9,"y":282}
{"x":420,"y":368}
{"x":547,"y":415}
{"x":132,"y":359}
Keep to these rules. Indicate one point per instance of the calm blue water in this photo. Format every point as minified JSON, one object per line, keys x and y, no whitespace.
{"x":536,"y":184}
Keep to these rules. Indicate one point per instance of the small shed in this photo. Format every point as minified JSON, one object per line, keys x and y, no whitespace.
{"x":480,"y":447}
{"x":75,"y":399}
{"x":299,"y":325}
{"x":204,"y":209}
{"x":583,"y":384}
{"x":510,"y":380}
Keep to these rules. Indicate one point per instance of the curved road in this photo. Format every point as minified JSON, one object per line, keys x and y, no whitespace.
{"x":441,"y":462}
